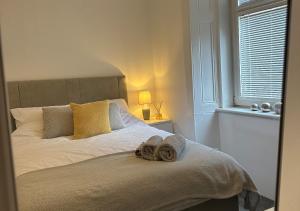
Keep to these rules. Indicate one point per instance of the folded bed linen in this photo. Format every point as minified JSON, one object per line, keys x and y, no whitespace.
{"x":34,"y":153}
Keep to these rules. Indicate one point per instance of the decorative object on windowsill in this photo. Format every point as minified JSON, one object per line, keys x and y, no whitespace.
{"x":254,"y":107}
{"x":277,"y":108}
{"x":158,"y":107}
{"x":145,"y":101}
{"x":265,"y":107}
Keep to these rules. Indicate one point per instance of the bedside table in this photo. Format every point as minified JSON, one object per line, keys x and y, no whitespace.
{"x":163,"y":124}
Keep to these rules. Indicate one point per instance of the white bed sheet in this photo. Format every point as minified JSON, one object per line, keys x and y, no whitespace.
{"x":34,"y":153}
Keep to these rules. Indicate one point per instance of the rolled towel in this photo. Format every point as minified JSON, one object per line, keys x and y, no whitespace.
{"x":139,"y":150}
{"x":171,"y":148}
{"x":148,"y":150}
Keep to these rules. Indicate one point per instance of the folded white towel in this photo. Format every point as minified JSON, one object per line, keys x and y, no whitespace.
{"x":148,"y":150}
{"x":171,"y":148}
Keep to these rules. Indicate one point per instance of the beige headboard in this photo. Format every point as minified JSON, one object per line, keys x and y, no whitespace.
{"x":63,"y":91}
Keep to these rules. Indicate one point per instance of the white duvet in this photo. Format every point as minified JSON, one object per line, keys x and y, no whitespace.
{"x":34,"y":153}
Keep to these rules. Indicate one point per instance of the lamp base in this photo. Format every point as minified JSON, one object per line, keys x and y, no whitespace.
{"x":146,"y":114}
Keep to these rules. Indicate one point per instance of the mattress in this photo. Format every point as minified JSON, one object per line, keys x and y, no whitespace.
{"x":38,"y":162}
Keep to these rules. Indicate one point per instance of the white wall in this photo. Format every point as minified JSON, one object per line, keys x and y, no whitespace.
{"x":290,"y":172}
{"x":146,"y":40}
{"x":75,"y":38}
{"x":172,"y":63}
{"x":253,"y":142}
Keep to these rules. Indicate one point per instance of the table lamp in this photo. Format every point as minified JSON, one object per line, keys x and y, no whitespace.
{"x":145,"y":100}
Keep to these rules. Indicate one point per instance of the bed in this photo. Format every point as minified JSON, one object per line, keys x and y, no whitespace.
{"x":51,"y":174}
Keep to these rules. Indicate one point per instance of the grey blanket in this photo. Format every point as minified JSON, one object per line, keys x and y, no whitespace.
{"x":124,"y":182}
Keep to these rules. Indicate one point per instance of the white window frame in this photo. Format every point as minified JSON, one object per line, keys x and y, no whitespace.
{"x":247,"y":8}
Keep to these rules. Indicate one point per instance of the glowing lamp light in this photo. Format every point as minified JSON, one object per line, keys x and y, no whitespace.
{"x":144,"y":97}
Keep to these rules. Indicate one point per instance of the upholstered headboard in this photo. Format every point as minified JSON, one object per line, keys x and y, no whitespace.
{"x":63,"y":91}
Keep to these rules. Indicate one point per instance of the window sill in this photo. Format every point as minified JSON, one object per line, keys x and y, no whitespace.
{"x":248,"y":112}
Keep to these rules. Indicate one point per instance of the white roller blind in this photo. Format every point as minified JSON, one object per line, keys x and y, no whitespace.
{"x":262,"y":47}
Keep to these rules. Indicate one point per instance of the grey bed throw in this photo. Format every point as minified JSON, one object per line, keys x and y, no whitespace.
{"x":124,"y":182}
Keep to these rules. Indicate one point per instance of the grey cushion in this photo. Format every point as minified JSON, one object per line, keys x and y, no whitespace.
{"x":58,"y":121}
{"x":115,"y":118}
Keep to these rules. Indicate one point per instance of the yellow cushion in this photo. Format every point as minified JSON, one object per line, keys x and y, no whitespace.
{"x":90,"y":119}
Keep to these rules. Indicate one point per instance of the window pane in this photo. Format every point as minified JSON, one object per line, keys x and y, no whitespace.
{"x":262,"y":45}
{"x":240,"y":2}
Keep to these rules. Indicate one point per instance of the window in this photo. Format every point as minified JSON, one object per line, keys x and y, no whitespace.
{"x":261,"y":32}
{"x":241,"y":2}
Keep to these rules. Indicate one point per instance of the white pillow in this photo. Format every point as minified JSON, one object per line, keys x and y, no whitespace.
{"x":31,"y":129}
{"x":27,"y":115}
{"x":29,"y":121}
{"x":115,"y":117}
{"x":121,"y":103}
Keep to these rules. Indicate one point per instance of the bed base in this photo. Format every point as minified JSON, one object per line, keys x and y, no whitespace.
{"x":230,"y":204}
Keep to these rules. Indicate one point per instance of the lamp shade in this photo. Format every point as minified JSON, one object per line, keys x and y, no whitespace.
{"x":144,"y":97}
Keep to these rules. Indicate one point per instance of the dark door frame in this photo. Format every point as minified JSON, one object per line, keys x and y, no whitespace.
{"x":8,"y":199}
